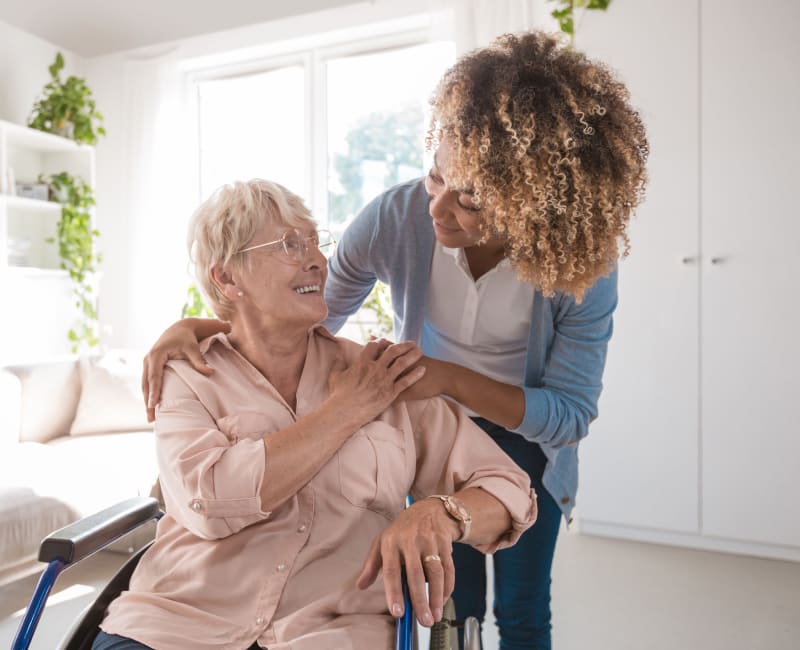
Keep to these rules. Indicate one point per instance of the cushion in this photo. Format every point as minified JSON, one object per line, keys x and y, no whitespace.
{"x":95,"y":472}
{"x":11,"y":400}
{"x":27,"y":518}
{"x":111,"y":396}
{"x":48,"y":396}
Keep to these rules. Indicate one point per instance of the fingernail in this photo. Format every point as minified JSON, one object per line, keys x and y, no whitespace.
{"x":427,"y":619}
{"x":437,"y":614}
{"x":397,"y":610}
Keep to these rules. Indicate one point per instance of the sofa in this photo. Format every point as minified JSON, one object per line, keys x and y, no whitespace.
{"x":74,"y":439}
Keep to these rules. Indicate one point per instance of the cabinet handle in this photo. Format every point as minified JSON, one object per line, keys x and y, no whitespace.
{"x":690,"y":259}
{"x":717,"y":260}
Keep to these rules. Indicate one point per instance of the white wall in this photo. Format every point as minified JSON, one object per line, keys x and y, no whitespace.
{"x":24,"y":60}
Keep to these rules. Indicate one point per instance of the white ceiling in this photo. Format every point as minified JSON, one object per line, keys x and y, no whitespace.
{"x":95,"y":27}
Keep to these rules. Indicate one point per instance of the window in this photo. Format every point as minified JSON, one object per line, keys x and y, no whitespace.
{"x":377,"y":119}
{"x":252,"y":126}
{"x":335,"y":125}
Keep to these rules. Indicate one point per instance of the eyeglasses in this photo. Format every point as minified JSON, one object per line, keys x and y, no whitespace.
{"x":295,"y":244}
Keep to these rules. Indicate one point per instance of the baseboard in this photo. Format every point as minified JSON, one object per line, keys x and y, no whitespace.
{"x":688,"y":540}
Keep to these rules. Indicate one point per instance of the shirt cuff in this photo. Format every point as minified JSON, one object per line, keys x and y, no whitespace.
{"x":520,"y":505}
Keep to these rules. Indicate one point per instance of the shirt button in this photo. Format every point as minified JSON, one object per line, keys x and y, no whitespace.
{"x":302,"y":529}
{"x":197,"y":506}
{"x":565,"y":500}
{"x":281,"y":567}
{"x":260,"y":620}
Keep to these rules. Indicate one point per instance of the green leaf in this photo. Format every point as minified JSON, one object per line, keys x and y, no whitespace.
{"x":566,"y":24}
{"x":57,"y":66}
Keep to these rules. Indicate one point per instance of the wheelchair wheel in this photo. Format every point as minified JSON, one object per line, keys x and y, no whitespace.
{"x":444,"y":635}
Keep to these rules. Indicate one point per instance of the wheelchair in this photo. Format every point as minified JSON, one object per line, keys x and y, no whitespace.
{"x":68,"y":546}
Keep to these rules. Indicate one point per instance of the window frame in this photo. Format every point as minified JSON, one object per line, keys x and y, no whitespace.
{"x":312,"y":57}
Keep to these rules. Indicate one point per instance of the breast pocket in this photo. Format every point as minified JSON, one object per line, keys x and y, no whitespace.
{"x":372,"y":469}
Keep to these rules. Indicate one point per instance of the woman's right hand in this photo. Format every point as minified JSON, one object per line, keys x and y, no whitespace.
{"x":368,"y":386}
{"x":179,"y":341}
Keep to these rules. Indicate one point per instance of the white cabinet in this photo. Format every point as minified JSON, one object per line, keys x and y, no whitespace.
{"x":697,"y":442}
{"x":751,"y":228}
{"x":37,"y":294}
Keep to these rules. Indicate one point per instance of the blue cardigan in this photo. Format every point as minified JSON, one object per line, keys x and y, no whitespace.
{"x":392,"y":240}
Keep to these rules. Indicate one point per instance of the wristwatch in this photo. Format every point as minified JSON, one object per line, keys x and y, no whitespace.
{"x":457,"y":510}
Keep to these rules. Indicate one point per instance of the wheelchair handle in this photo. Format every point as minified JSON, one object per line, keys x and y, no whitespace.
{"x":77,"y":541}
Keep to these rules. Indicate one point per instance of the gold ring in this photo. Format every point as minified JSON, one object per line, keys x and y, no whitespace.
{"x":432,"y":558}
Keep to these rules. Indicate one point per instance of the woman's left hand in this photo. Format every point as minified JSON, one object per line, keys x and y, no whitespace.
{"x":419,"y":540}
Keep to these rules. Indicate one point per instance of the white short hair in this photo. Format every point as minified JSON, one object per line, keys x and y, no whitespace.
{"x":228,"y":220}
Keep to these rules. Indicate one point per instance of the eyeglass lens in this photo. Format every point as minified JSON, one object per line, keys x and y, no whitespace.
{"x":296,"y":245}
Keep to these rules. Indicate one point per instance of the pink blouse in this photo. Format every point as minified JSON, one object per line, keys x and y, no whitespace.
{"x":223,"y":573}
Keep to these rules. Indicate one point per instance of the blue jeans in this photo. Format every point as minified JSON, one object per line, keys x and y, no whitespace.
{"x":105,"y":641}
{"x":522,"y":572}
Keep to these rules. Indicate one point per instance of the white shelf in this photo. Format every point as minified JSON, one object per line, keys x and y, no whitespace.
{"x":33,"y":273}
{"x":22,"y":136}
{"x":42,"y":289}
{"x":33,"y":205}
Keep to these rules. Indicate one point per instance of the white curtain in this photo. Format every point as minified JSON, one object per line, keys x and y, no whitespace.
{"x":477,"y":22}
{"x":161,"y":193}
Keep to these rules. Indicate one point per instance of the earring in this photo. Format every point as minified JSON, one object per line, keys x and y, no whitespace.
{"x":240,"y":294}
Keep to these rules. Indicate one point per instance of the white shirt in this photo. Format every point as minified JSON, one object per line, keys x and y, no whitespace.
{"x":481,"y":324}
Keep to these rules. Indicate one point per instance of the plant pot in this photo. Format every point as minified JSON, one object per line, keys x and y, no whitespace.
{"x":65,"y":129}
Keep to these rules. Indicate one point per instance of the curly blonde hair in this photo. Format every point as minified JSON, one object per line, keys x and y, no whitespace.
{"x":553,"y":151}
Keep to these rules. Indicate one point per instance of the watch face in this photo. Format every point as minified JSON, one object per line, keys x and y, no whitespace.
{"x":457,"y":509}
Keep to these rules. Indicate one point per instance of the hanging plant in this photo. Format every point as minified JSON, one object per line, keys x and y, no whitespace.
{"x":76,"y":247}
{"x":379,"y":302}
{"x":565,"y":14}
{"x":195,"y":306}
{"x":67,"y":108}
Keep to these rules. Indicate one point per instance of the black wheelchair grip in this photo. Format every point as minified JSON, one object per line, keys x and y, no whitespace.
{"x":90,"y":534}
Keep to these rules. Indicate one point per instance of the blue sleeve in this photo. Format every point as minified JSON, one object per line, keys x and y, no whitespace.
{"x":559,"y":410}
{"x":351,"y":275}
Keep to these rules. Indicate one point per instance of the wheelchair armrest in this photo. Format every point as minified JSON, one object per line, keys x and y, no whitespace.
{"x":79,"y":540}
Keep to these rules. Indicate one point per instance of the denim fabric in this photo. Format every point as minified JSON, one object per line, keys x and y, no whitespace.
{"x":113,"y":642}
{"x":522,"y":572}
{"x":105,"y":641}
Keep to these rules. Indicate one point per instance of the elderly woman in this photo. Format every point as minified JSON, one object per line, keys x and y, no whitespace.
{"x":285,"y":471}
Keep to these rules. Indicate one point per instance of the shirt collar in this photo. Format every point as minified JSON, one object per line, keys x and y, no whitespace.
{"x":222,"y":338}
{"x":461,"y":258}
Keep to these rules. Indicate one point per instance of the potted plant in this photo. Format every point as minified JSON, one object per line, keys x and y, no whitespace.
{"x":67,"y":108}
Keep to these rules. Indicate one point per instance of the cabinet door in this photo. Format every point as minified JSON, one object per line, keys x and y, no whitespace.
{"x":751,"y":233}
{"x":639,"y":465}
